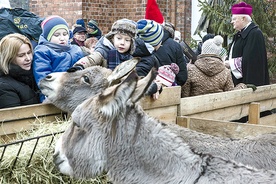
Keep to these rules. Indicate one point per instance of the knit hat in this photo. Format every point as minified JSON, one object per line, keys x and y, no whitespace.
{"x":150,"y":31}
{"x":212,"y":46}
{"x":93,"y":24}
{"x":51,"y":24}
{"x":125,"y":26}
{"x":79,"y":29}
{"x":170,"y":28}
{"x":166,"y":74}
{"x":153,"y":12}
{"x":242,"y":8}
{"x":80,"y":22}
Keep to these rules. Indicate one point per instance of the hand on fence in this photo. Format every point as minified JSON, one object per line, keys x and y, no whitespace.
{"x":251,"y":86}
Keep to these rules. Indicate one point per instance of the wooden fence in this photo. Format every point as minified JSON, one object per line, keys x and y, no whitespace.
{"x":211,"y":113}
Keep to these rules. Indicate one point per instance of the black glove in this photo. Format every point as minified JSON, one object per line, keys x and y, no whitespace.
{"x":251,"y":86}
{"x":75,"y":68}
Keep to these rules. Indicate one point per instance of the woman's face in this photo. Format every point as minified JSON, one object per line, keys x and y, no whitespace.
{"x":24,"y":57}
{"x":60,"y":36}
{"x":122,"y":42}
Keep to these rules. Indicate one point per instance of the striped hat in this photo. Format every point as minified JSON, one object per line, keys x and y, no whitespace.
{"x":51,"y":24}
{"x":150,"y":31}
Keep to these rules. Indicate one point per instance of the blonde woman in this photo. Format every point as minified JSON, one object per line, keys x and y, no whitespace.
{"x":17,"y":84}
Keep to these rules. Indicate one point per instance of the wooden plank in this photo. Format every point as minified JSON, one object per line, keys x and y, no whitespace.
{"x":203,"y":103}
{"x":166,"y":114}
{"x":169,"y":96}
{"x":234,"y":112}
{"x":25,"y":112}
{"x":224,"y":114}
{"x":254,"y":113}
{"x":268,"y":120}
{"x":13,"y":127}
{"x":227,"y":129}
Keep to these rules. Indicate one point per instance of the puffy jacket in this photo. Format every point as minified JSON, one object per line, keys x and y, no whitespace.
{"x":18,"y":88}
{"x":50,"y":57}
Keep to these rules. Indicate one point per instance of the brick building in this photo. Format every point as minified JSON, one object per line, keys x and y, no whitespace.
{"x":106,"y":12}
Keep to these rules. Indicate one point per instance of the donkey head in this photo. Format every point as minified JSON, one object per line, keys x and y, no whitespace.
{"x":82,"y":150}
{"x":67,"y":90}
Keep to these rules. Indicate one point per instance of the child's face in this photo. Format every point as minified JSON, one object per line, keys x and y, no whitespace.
{"x":122,"y":42}
{"x":60,"y":36}
{"x":24,"y":57}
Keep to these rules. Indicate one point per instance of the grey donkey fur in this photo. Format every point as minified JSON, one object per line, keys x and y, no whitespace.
{"x":111,"y":133}
{"x":67,"y":90}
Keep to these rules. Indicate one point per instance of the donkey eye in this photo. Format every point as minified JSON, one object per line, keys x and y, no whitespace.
{"x":86,"y":79}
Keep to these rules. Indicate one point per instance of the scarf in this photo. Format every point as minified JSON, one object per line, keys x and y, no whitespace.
{"x":24,"y":76}
{"x":115,"y":58}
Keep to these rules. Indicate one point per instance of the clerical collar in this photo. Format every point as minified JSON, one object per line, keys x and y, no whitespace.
{"x":245,"y":26}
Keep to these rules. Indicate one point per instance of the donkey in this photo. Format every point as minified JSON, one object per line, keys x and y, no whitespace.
{"x":67,"y":90}
{"x":111,"y":133}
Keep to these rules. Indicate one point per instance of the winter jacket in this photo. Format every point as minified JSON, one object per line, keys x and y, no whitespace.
{"x":250,"y":45}
{"x":50,"y":57}
{"x":207,"y":75}
{"x":17,"y":88}
{"x":147,"y":62}
{"x":171,"y":52}
{"x":105,"y":54}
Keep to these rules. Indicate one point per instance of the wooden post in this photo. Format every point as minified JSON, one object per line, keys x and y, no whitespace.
{"x":254,"y":113}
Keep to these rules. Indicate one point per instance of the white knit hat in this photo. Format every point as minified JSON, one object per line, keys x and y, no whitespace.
{"x":212,"y":46}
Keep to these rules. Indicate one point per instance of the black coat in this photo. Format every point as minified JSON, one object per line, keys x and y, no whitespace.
{"x":146,"y":63}
{"x":250,"y":45}
{"x":18,"y":88}
{"x":171,"y":52}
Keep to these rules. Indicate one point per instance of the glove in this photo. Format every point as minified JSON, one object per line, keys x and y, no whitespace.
{"x":251,"y":86}
{"x":75,"y":68}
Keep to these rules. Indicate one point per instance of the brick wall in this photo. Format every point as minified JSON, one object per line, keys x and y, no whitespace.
{"x":106,"y":12}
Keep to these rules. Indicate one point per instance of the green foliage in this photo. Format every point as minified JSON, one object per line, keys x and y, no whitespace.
{"x":219,"y":15}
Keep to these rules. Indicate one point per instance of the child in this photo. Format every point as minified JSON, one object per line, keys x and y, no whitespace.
{"x":54,"y":52}
{"x":17,"y":84}
{"x":150,"y":34}
{"x":113,"y":48}
{"x":93,"y":30}
{"x":208,"y":74}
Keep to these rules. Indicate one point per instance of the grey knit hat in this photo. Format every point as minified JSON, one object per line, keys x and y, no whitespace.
{"x":124,"y":26}
{"x":212,"y":46}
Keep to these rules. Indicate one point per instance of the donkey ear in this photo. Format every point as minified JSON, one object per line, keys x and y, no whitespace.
{"x":143,"y":84}
{"x":116,"y":96}
{"x":122,"y":70}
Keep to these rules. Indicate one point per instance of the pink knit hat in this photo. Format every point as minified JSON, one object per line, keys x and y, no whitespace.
{"x":242,"y":8}
{"x":166,"y":74}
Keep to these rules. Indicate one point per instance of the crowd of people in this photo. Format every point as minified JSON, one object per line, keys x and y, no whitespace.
{"x":61,"y":49}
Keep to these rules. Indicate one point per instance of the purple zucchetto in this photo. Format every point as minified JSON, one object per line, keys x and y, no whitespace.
{"x":242,"y":8}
